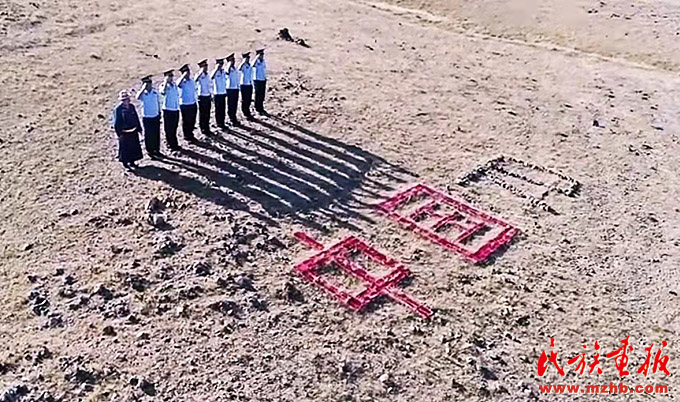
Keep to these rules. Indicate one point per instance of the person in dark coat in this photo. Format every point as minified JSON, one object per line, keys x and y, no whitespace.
{"x":127,"y":126}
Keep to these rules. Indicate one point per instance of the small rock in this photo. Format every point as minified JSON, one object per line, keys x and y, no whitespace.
{"x":155,"y":205}
{"x":55,"y":320}
{"x":488,"y":374}
{"x":258,"y":304}
{"x":136,"y":282}
{"x":157,"y":220}
{"x":109,"y":331}
{"x":59,"y":272}
{"x":201,"y":268}
{"x":227,"y":307}
{"x":81,"y":375}
{"x":102,"y":291}
{"x":43,"y":353}
{"x":147,"y":387}
{"x":292,"y":293}
{"x":39,"y":303}
{"x":14,"y":393}
{"x":285,"y":35}
{"x":244,"y":282}
{"x":143,"y":336}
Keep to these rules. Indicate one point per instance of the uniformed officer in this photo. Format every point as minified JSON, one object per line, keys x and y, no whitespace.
{"x":219,"y":77}
{"x":204,"y":97}
{"x":260,"y":81}
{"x":170,"y":94}
{"x":151,"y":117}
{"x":187,"y":103}
{"x":233,"y":83}
{"x":126,"y":124}
{"x":246,"y":85}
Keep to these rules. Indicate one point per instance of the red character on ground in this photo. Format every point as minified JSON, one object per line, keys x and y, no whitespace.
{"x":622,"y":357}
{"x":544,"y":360}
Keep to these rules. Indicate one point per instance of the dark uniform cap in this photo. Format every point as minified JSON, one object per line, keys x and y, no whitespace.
{"x":219,"y":61}
{"x":260,"y":50}
{"x":184,"y":68}
{"x":146,"y":78}
{"x":230,"y":57}
{"x":203,"y":62}
{"x":245,"y":54}
{"x":168,"y":73}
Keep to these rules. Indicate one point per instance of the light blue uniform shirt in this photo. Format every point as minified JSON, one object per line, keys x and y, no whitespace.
{"x":204,"y":84}
{"x":151,"y":103}
{"x":220,"y":82}
{"x":170,"y":97}
{"x":187,"y":92}
{"x":246,"y":74}
{"x":234,"y":78}
{"x":260,"y":70}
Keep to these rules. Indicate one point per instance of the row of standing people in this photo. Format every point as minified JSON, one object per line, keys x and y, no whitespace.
{"x":186,"y":98}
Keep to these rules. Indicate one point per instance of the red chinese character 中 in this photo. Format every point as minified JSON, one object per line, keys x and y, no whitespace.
{"x":660,"y":362}
{"x":621,"y":357}
{"x":544,"y":360}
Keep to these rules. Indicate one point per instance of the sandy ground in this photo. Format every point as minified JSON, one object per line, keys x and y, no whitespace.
{"x":99,"y":305}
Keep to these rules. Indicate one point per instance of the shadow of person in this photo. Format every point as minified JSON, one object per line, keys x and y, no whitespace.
{"x":289,"y":171}
{"x":189,"y":185}
{"x":325,"y":142}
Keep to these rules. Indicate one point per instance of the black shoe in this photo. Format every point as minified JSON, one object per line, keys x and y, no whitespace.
{"x":192,"y":140}
{"x":133,"y":165}
{"x":236,"y":123}
{"x":158,"y":154}
{"x":126,"y":166}
{"x":250,"y":117}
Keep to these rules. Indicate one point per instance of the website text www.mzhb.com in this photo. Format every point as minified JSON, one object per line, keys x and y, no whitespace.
{"x":610,"y":388}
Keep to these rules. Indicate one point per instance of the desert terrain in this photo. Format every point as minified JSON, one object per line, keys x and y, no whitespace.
{"x":98,"y":304}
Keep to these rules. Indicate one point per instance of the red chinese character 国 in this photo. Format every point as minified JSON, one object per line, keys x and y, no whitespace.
{"x":544,"y":360}
{"x":621,"y":357}
{"x":660,"y":362}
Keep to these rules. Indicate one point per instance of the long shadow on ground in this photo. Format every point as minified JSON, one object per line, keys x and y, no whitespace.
{"x":290,"y":171}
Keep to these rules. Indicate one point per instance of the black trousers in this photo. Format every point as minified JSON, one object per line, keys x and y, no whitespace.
{"x":232,"y":104}
{"x":220,"y":104}
{"x":204,"y":103}
{"x":152,"y":134}
{"x":188,"y":120}
{"x":260,"y":89}
{"x":170,"y":122}
{"x":246,"y":99}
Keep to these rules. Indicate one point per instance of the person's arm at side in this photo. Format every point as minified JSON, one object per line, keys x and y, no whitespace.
{"x":116,"y":122}
{"x":139,"y":124}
